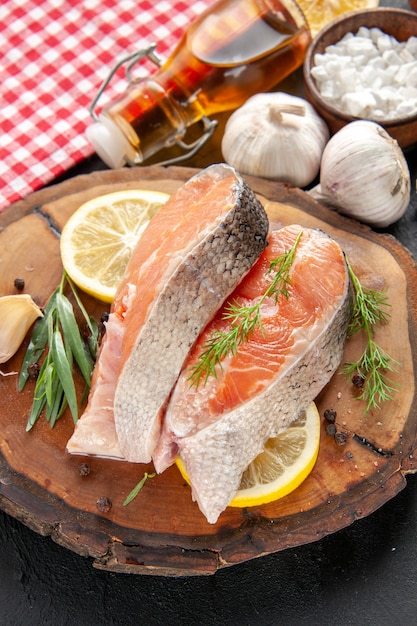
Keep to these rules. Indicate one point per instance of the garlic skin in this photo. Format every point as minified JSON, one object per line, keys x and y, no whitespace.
{"x":17,"y":314}
{"x":364,"y":174}
{"x":276,"y":136}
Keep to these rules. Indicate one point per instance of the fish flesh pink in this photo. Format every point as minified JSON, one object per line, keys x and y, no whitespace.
{"x":220,"y":427}
{"x":194,"y":252}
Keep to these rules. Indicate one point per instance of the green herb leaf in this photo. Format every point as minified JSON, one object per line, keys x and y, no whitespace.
{"x":50,"y":375}
{"x":64,"y":371}
{"x":39,"y":399}
{"x":36,"y":410}
{"x":132,"y":495}
{"x":244,"y":320}
{"x":374,"y":362}
{"x":90,"y":321}
{"x":58,"y":404}
{"x":73,"y":337}
{"x":368,"y":306}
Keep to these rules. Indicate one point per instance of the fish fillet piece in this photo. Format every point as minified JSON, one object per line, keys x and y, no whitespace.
{"x":220,"y":427}
{"x":192,"y":255}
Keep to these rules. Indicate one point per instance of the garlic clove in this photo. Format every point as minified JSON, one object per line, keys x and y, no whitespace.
{"x":364,"y":174}
{"x":17,"y":314}
{"x":276,"y":136}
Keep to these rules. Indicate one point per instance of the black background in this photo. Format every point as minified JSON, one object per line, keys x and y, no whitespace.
{"x":364,"y":574}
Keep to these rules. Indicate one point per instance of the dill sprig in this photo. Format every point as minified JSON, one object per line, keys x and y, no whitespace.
{"x":369,"y":312}
{"x":244,"y":320}
{"x":56,"y":337}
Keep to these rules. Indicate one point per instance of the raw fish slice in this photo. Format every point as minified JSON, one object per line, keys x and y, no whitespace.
{"x":222,"y":426}
{"x":95,"y":432}
{"x":194,"y":252}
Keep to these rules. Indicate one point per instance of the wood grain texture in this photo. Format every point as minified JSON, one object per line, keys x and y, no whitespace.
{"x":162,"y":531}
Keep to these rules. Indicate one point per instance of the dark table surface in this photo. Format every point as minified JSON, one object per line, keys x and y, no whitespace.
{"x":364,"y":574}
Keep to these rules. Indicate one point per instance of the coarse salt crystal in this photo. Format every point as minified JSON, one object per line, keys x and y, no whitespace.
{"x":391,"y":57}
{"x":358,"y":105}
{"x":319,"y":60}
{"x":411,"y":46}
{"x":333,"y":68}
{"x":378,"y":114}
{"x":361,"y":46}
{"x":319,"y":73}
{"x":367,"y":76}
{"x":363,"y":31}
{"x":378,"y":63}
{"x":348,"y":79}
{"x":401,"y":77}
{"x":384,"y":43}
{"x":327,"y":90}
{"x":406,"y":56}
{"x":409,"y":92}
{"x":377,"y":81}
{"x":411,"y":79}
{"x":407,"y":108}
{"x":390,"y":72}
{"x":373,"y":33}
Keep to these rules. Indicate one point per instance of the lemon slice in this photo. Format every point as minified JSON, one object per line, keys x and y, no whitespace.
{"x":284,"y":464}
{"x":98,"y":239}
{"x":319,"y":13}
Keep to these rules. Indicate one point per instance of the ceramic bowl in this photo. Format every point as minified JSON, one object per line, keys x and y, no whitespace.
{"x":399,"y":23}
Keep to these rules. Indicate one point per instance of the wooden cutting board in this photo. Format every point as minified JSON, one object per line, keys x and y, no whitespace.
{"x":162,"y":531}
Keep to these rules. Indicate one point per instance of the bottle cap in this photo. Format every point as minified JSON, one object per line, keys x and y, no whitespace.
{"x":109,"y":142}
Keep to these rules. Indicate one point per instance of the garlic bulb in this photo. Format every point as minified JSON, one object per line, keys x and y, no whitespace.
{"x":364,"y":174}
{"x":17,"y":314}
{"x":276,"y":136}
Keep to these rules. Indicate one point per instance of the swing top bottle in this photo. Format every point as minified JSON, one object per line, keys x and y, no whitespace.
{"x":235,"y":49}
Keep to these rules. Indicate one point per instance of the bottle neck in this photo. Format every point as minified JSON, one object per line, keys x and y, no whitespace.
{"x":151,"y":118}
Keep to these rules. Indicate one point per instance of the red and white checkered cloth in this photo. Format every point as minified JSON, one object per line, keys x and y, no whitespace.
{"x":54,"y":56}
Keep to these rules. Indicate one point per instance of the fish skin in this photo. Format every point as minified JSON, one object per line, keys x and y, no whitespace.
{"x":187,"y":301}
{"x":215,"y":455}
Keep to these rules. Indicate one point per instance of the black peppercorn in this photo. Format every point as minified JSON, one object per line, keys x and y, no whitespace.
{"x":340,"y":439}
{"x":33,"y":370}
{"x":19,"y":284}
{"x":84,"y":469}
{"x":331,"y":430}
{"x":330,"y":415}
{"x":103,"y":504}
{"x":358,"y":381}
